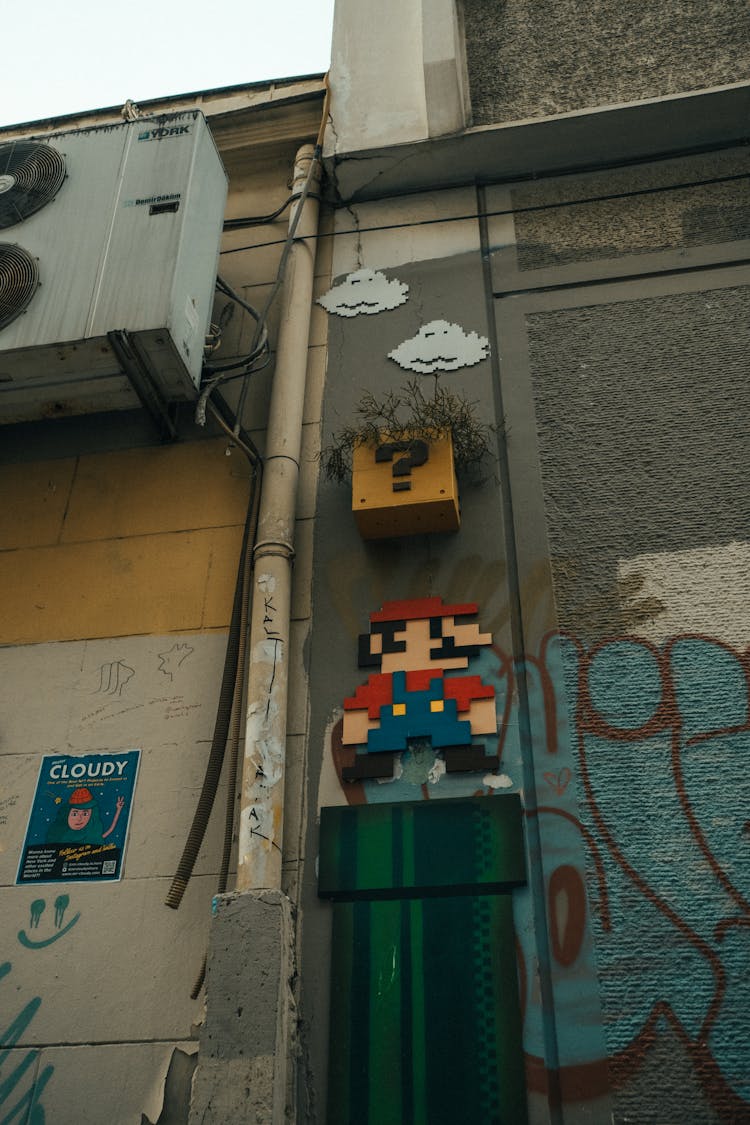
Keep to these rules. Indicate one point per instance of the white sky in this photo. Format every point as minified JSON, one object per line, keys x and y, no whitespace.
{"x":87,"y":54}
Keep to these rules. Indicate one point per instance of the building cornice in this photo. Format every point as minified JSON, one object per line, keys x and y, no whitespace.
{"x":637,"y":131}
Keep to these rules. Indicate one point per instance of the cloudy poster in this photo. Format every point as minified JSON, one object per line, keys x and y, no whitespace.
{"x":79,"y":819}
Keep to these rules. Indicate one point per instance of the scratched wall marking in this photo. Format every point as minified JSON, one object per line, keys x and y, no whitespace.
{"x":6,"y":804}
{"x":113,"y":678}
{"x":171,"y":660}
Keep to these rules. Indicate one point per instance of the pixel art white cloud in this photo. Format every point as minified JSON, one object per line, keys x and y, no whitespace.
{"x":365,"y":292}
{"x":441,"y":346}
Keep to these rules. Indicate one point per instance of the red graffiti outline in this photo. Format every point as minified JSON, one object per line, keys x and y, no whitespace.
{"x":585,"y":1081}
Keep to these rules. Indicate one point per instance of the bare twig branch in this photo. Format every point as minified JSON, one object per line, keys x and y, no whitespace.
{"x":402,"y":415}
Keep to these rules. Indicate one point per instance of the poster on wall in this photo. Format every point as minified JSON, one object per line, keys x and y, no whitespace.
{"x":79,"y":819}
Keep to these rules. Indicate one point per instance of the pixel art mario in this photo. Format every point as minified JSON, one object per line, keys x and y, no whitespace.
{"x":417,"y":646}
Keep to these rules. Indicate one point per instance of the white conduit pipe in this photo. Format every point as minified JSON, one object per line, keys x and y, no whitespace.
{"x":262,"y":792}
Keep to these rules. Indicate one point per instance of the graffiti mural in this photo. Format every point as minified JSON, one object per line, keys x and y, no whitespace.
{"x":659,"y":737}
{"x":20,"y":1087}
{"x":639,"y":790}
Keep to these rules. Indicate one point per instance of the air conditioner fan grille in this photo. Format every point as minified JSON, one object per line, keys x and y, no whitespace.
{"x":30,"y":176}
{"x":19,"y":277}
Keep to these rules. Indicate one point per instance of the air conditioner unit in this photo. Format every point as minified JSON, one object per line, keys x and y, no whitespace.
{"x":109,"y":240}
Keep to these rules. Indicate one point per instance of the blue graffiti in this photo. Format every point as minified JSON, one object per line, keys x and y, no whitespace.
{"x":35,"y":912}
{"x":632,"y":760}
{"x":657,"y":740}
{"x":28,"y":1108}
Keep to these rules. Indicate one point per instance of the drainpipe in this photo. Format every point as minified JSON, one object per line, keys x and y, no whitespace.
{"x":262,"y":793}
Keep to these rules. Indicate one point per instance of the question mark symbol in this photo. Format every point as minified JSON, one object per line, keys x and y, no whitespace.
{"x":417,"y":452}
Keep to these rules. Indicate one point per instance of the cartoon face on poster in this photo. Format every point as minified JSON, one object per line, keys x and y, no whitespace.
{"x":79,"y":819}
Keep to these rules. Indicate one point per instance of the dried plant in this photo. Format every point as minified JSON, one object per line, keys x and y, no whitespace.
{"x":405,"y":414}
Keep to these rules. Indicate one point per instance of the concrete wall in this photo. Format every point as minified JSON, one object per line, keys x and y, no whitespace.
{"x":118,"y":559}
{"x":607,"y":551}
{"x":397,"y":73}
{"x":635,"y":387}
{"x":529,"y":60}
{"x":631,"y":387}
{"x":117,"y":578}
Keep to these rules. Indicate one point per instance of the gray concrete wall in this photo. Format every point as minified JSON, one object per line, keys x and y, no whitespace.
{"x":526,"y":59}
{"x":608,"y":550}
{"x":626,"y":362}
{"x":679,"y":204}
{"x":352,"y":578}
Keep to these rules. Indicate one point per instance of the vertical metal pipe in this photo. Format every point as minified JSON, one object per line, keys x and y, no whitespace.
{"x":262,"y":794}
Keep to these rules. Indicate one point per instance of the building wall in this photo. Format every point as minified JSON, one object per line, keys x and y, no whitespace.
{"x":352,"y":579}
{"x":119,"y":558}
{"x":606,"y":549}
{"x":118,"y":572}
{"x":527,"y":60}
{"x":634,"y":385}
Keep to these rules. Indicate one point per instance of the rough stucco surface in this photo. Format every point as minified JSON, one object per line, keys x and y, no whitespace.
{"x":237,"y":1079}
{"x":653,"y":207}
{"x":642,"y":431}
{"x":531,"y":59}
{"x":641,"y":440}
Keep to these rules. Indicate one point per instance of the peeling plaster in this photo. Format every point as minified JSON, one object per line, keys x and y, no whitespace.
{"x":700,"y":590}
{"x":497,"y":781}
{"x":269,"y":652}
{"x":266,"y":583}
{"x":437,"y":771}
{"x":176,"y":1093}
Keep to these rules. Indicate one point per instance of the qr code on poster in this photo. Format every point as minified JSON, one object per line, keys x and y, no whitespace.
{"x":109,"y":866}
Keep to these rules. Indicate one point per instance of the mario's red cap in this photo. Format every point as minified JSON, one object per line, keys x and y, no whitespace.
{"x":419,"y":608}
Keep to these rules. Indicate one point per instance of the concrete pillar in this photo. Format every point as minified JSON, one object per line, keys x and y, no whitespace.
{"x":444,"y":63}
{"x":245,"y":1073}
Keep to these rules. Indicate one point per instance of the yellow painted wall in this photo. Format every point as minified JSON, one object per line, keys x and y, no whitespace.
{"x":117,"y":544}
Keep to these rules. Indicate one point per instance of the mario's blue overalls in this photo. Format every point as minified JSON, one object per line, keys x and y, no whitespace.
{"x":418,"y":714}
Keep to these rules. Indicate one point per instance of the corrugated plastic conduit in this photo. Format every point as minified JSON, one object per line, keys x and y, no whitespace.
{"x":228,"y":710}
{"x":228,"y":715}
{"x":227,"y":726}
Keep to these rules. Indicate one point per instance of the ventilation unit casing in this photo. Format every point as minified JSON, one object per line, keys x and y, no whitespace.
{"x":126,"y":253}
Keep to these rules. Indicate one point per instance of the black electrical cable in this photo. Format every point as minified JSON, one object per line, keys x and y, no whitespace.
{"x":262,"y":220}
{"x":256,"y":367}
{"x":511,"y":210}
{"x":218,"y":742}
{"x":224,"y":707}
{"x":236,"y":714}
{"x":234,"y":732}
{"x":244,"y":365}
{"x":261,"y":333}
{"x":256,"y":348}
